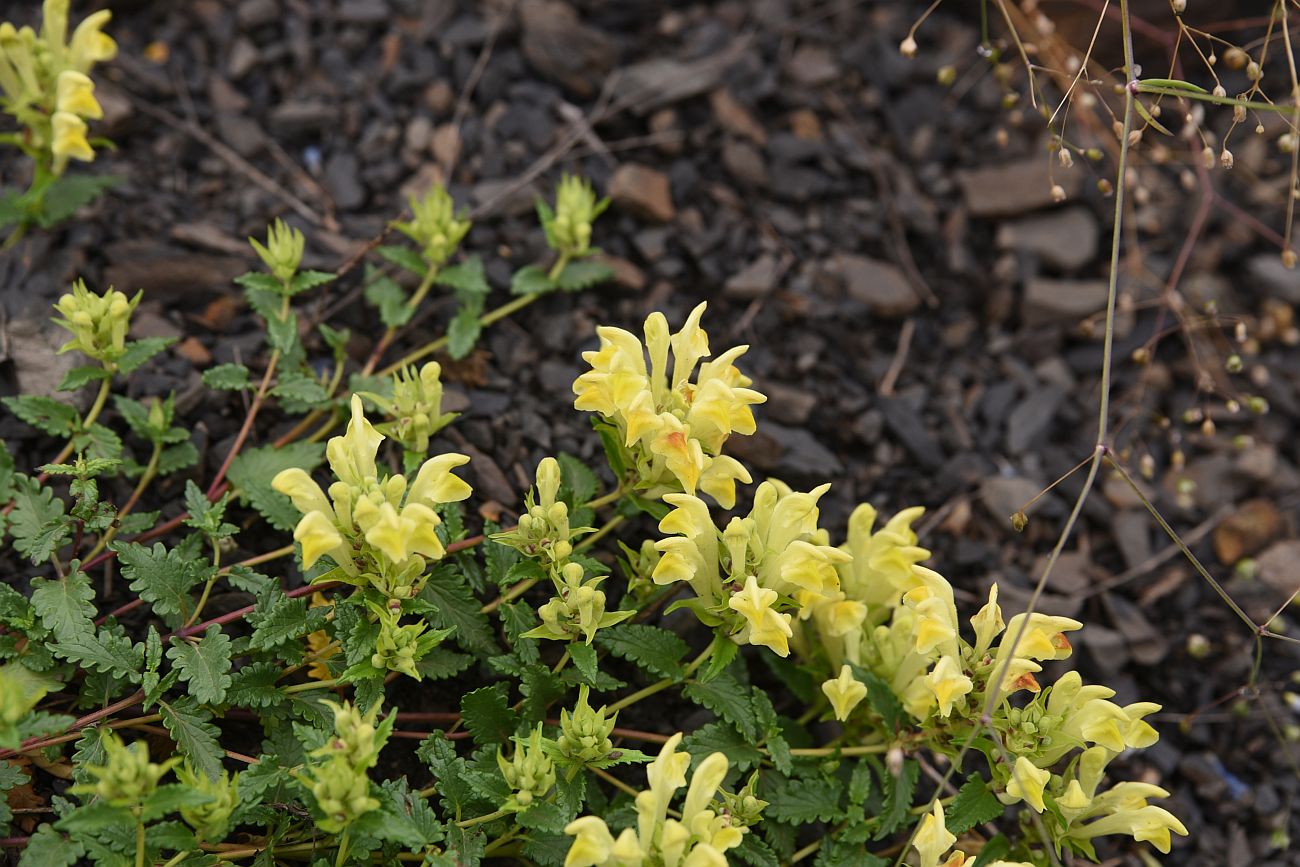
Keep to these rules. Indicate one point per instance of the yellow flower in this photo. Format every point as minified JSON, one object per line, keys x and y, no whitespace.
{"x":844,"y":692}
{"x":593,"y":843}
{"x":90,"y":44}
{"x":933,"y":839}
{"x":1027,"y":783}
{"x":70,"y":139}
{"x":317,"y":535}
{"x":352,"y":456}
{"x":672,"y":428}
{"x":988,"y":623}
{"x":1146,"y":824}
{"x":76,"y":95}
{"x":948,"y":683}
{"x":765,"y":625}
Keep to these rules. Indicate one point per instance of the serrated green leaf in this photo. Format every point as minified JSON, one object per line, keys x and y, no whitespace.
{"x":176,"y":458}
{"x":254,"y":469}
{"x":728,"y":700}
{"x":278,"y":618}
{"x":205,"y":666}
{"x":487,"y":715}
{"x":881,"y":698}
{"x":722,"y":738}
{"x":578,"y":478}
{"x":54,"y":417}
{"x":468,"y":280}
{"x":802,"y":801}
{"x":81,"y":376}
{"x":105,"y":652}
{"x":162,"y":577}
{"x":463,"y":331}
{"x":582,"y":274}
{"x":440,"y":663}
{"x":65,"y":605}
{"x":256,"y":686}
{"x":191,"y":728}
{"x":227,"y":377}
{"x":585,"y":660}
{"x":300,"y":392}
{"x":531,"y":280}
{"x":656,"y":650}
{"x":898,"y":797}
{"x":454,"y":606}
{"x":304,"y":280}
{"x":48,"y":848}
{"x":37,"y":523}
{"x":70,"y":192}
{"x":390,"y":299}
{"x":404,"y":257}
{"x":139,"y":351}
{"x":753,"y":851}
{"x":973,"y":805}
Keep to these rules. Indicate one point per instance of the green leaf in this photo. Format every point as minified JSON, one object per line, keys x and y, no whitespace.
{"x":721,"y":738}
{"x":304,"y":280}
{"x":282,"y":333}
{"x":162,"y":577}
{"x":65,"y":605}
{"x":994,"y":850}
{"x":254,"y":469}
{"x":487,"y":715}
{"x":1149,"y":118}
{"x":449,"y":771}
{"x":440,"y":663}
{"x":37,"y":523}
{"x":390,"y":299}
{"x":582,"y":274}
{"x":54,"y":417}
{"x":300,"y":392}
{"x":753,"y":851}
{"x":455,"y":606}
{"x":898,"y":797}
{"x":104,"y":651}
{"x":1173,"y":84}
{"x":463,"y":332}
{"x":531,"y":280}
{"x":585,"y":660}
{"x":70,"y":192}
{"x":278,"y":618}
{"x":227,"y":377}
{"x":800,"y":802}
{"x":540,"y":687}
{"x":406,"y":816}
{"x":191,"y":728}
{"x":256,"y":686}
{"x":727,"y":698}
{"x":178,"y":457}
{"x":48,"y":848}
{"x":724,"y":651}
{"x":205,"y":666}
{"x":80,"y":376}
{"x":468,"y":280}
{"x":881,"y":698}
{"x":578,"y":478}
{"x":139,"y":351}
{"x":97,"y":816}
{"x":973,"y":805}
{"x":656,"y":650}
{"x":404,"y":257}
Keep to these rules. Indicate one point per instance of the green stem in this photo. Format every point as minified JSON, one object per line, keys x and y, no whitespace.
{"x":149,"y":474}
{"x":558,"y":268}
{"x":426,"y":283}
{"x":1158,"y":90}
{"x":207,"y":587}
{"x":342,"y":857}
{"x":484,"y":321}
{"x":860,"y":750}
{"x":480,"y":820}
{"x":308,"y":687}
{"x":95,"y":409}
{"x":139,"y":840}
{"x":661,"y":685}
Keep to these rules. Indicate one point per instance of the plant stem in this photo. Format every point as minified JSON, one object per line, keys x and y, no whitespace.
{"x":484,"y":321}
{"x":479,"y":820}
{"x":558,"y":268}
{"x":426,"y":283}
{"x":660,"y":685}
{"x":860,"y":750}
{"x":95,"y":409}
{"x":207,"y":586}
{"x":308,"y":687}
{"x":139,"y":840}
{"x":149,"y":474}
{"x":341,"y":858}
{"x":214,"y":490}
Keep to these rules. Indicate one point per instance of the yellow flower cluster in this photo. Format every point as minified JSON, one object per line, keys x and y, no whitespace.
{"x":98,"y":323}
{"x":671,"y":428}
{"x":377,"y":531}
{"x":415,"y":409}
{"x":897,"y":619}
{"x":45,"y":86}
{"x":750,"y":575}
{"x":934,"y":840}
{"x":698,"y":839}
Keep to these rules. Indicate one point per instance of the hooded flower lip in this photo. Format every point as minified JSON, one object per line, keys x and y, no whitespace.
{"x":933,"y":839}
{"x":844,"y":692}
{"x":1027,"y":783}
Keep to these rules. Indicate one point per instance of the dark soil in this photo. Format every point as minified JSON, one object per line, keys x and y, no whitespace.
{"x":926,"y":330}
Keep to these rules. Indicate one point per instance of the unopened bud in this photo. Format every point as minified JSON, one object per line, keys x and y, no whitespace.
{"x":1225,"y":158}
{"x":907,"y":47}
